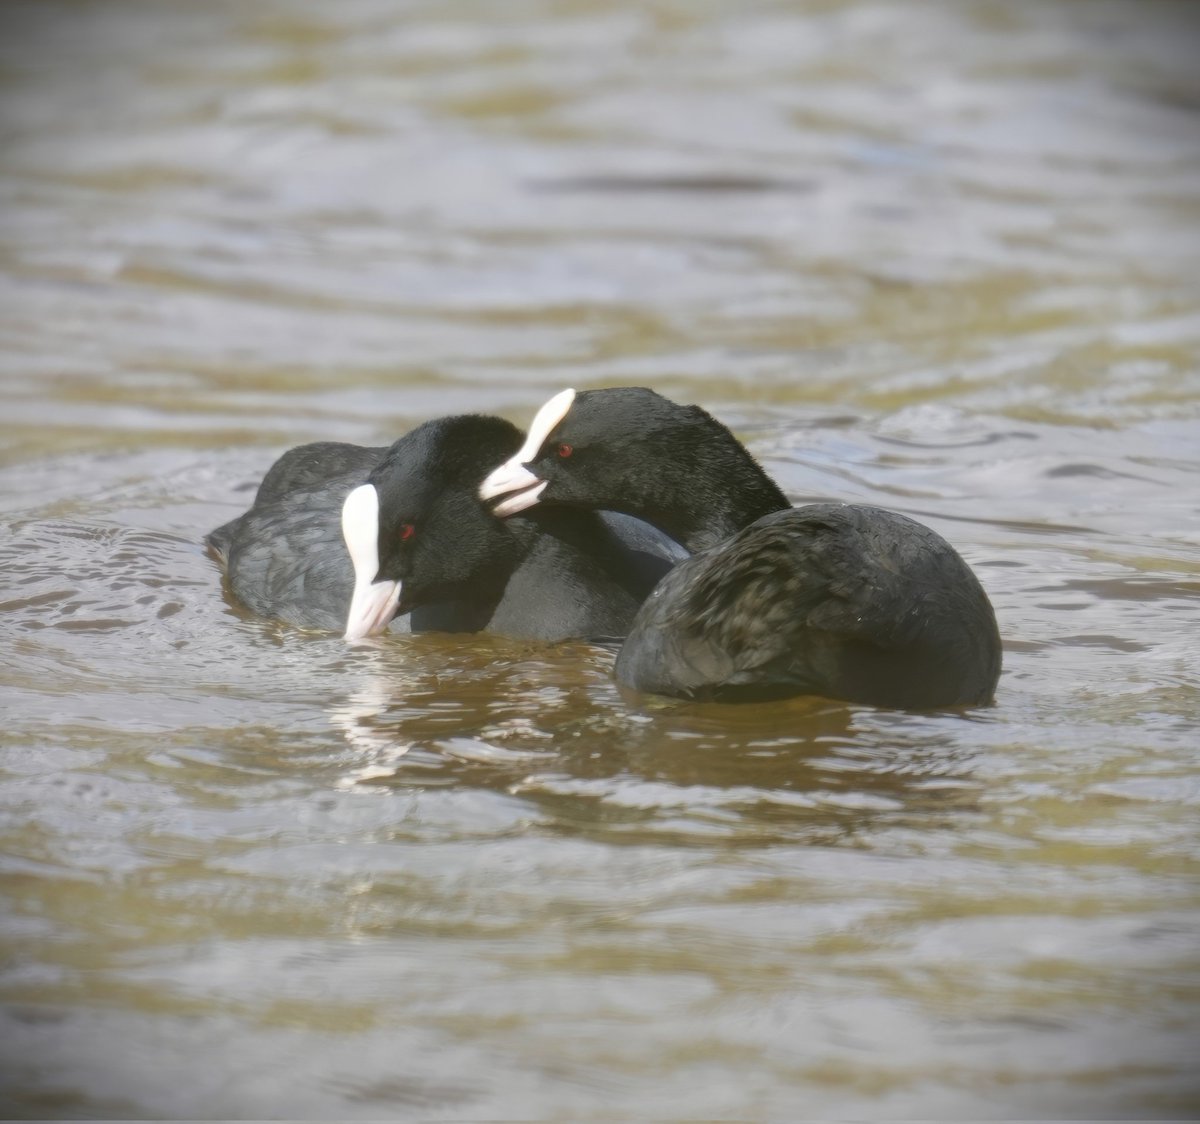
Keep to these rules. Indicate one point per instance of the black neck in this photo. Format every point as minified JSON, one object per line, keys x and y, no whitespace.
{"x":707,"y":488}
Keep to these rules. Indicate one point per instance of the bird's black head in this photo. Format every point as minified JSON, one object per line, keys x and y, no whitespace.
{"x":418,"y":532}
{"x":595,"y":448}
{"x":630,"y":449}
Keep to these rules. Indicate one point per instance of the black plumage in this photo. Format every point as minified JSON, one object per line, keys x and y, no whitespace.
{"x":845,"y":601}
{"x":551,"y":575}
{"x":284,"y":559}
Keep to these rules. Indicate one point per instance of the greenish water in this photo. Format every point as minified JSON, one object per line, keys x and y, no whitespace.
{"x":943,"y":257}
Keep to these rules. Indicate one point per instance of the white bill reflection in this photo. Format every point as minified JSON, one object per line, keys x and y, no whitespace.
{"x":377,"y":751}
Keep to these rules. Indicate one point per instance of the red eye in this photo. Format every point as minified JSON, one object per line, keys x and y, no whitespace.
{"x":407,"y":530}
{"x":565,"y":450}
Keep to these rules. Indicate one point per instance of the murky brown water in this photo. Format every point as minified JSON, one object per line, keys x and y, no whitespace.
{"x":941,"y":257}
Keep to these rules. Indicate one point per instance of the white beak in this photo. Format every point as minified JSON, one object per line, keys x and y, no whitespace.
{"x":512,"y":476}
{"x":371,"y":609}
{"x":374,"y":603}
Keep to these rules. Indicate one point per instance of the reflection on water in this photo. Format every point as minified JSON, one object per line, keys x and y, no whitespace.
{"x":936,"y":257}
{"x":803,"y":770}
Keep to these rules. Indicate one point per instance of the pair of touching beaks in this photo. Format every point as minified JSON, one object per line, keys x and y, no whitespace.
{"x":374,"y":603}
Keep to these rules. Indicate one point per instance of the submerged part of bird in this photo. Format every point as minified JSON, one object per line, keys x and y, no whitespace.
{"x":841,"y":600}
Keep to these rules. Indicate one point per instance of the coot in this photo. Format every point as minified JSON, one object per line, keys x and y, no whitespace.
{"x":423,"y":542}
{"x":841,"y":600}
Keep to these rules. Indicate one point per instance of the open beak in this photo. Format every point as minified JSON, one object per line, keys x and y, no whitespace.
{"x":512,"y":480}
{"x":373,"y":603}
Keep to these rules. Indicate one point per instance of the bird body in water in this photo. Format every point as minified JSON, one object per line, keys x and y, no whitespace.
{"x":843,"y":600}
{"x":438,"y":560}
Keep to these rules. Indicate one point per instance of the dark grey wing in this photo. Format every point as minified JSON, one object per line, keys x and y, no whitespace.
{"x":286,"y":560}
{"x":583,"y":575}
{"x":724,"y":624}
{"x":914,"y":612}
{"x":310,"y":466}
{"x":646,"y":553}
{"x":846,"y":601}
{"x":302,"y":469}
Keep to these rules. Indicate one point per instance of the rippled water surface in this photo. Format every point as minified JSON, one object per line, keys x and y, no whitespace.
{"x":943,"y":257}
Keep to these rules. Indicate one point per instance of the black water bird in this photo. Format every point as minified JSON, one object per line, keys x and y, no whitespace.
{"x":841,"y":600}
{"x":355,"y":539}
